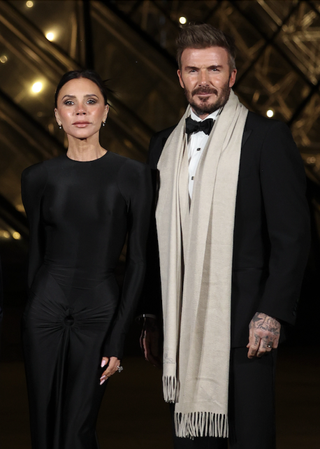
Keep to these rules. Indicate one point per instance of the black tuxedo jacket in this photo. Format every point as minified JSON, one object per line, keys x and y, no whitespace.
{"x":271,"y":229}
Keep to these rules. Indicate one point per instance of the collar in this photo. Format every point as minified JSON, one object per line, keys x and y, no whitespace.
{"x":213,"y":115}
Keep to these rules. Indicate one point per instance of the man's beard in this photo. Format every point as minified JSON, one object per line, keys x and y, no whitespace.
{"x":205,"y":107}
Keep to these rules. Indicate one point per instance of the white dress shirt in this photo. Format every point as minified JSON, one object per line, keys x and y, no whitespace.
{"x":197,"y":142}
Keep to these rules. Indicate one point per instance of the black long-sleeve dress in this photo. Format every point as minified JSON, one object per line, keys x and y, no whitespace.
{"x":79,"y":215}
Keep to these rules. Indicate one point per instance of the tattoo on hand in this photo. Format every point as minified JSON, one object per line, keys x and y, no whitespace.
{"x":266,"y":323}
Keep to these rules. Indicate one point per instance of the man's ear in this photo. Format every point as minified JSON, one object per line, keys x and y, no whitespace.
{"x":232,"y":78}
{"x":180,"y":78}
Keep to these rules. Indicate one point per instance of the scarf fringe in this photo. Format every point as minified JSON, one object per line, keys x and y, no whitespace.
{"x":201,"y":424}
{"x":171,"y":388}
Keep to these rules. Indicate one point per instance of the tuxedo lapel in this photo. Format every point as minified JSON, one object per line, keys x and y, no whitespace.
{"x":245,"y":136}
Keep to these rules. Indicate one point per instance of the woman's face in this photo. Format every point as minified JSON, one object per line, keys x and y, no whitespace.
{"x":80,"y":108}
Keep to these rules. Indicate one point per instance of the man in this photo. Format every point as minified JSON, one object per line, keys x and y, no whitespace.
{"x":233,"y":234}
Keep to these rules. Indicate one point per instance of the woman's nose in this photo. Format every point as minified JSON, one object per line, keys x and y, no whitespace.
{"x":81,"y":110}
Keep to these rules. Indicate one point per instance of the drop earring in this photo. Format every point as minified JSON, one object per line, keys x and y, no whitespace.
{"x":103,"y":123}
{"x":60,"y":126}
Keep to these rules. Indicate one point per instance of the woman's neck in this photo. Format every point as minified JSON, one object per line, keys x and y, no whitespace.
{"x":82,"y":150}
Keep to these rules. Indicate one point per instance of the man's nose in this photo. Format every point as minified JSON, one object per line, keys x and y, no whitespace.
{"x":203,"y":78}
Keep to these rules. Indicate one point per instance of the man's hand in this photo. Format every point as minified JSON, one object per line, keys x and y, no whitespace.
{"x":264,"y":334}
{"x":149,"y":341}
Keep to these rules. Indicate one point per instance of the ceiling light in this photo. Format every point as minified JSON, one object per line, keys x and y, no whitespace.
{"x":270,"y":113}
{"x":37,"y":87}
{"x":183,"y":20}
{"x":29,"y":4}
{"x":3,"y":59}
{"x":50,"y":36}
{"x":16,"y":235}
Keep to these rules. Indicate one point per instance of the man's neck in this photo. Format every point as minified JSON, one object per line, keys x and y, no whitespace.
{"x":202,"y":117}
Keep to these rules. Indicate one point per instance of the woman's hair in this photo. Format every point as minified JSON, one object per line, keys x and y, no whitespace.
{"x":82,"y":73}
{"x":205,"y":36}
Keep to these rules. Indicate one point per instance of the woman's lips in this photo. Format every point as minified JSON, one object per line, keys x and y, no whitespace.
{"x":81,"y":124}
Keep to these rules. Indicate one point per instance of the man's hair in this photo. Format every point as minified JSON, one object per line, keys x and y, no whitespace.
{"x":205,"y":36}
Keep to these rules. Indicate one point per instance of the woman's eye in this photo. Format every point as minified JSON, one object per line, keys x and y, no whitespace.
{"x":91,"y":101}
{"x":68,"y":102}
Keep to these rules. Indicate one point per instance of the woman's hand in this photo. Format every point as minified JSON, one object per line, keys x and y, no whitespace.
{"x":112,"y":365}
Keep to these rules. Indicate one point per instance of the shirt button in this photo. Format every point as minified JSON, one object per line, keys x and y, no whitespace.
{"x":198,"y":149}
{"x":192,"y":178}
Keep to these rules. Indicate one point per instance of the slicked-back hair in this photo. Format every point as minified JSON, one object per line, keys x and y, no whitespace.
{"x":89,"y":74}
{"x":205,"y":36}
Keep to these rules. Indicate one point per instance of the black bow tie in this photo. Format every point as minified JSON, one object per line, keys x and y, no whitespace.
{"x":192,"y":126}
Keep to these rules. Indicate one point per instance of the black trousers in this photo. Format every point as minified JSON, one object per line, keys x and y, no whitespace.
{"x":251,"y":406}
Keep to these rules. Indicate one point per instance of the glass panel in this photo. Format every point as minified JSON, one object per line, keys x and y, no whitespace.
{"x":16,"y":155}
{"x":248,"y":40}
{"x":268,"y":15}
{"x":273,"y":85}
{"x":58,"y":21}
{"x":158,"y":25}
{"x":25,"y":79}
{"x":306,"y":128}
{"x":143,"y":80}
{"x":161,"y":19}
{"x":299,"y":39}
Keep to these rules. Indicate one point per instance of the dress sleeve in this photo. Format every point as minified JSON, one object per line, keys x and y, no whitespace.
{"x":32,"y":187}
{"x":135,"y":185}
{"x":283,"y":189}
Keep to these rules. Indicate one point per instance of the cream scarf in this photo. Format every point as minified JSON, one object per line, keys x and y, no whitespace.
{"x":195,"y":245}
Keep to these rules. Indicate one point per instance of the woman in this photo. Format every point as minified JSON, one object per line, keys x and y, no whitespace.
{"x":80,"y":206}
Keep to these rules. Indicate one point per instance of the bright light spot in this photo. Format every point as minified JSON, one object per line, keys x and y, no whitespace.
{"x":29,"y":4}
{"x":50,"y":36}
{"x":16,"y":235}
{"x":183,"y":20}
{"x":5,"y":234}
{"x":270,"y":113}
{"x":37,"y":87}
{"x":3,"y":59}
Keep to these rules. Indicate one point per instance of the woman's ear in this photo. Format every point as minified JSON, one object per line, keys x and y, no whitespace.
{"x":106,"y":112}
{"x":57,"y":116}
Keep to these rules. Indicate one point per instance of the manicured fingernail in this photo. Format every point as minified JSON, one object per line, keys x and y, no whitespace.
{"x":103,"y":363}
{"x":102,"y":379}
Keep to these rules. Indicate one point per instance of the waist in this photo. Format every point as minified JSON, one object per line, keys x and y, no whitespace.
{"x":78,"y":276}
